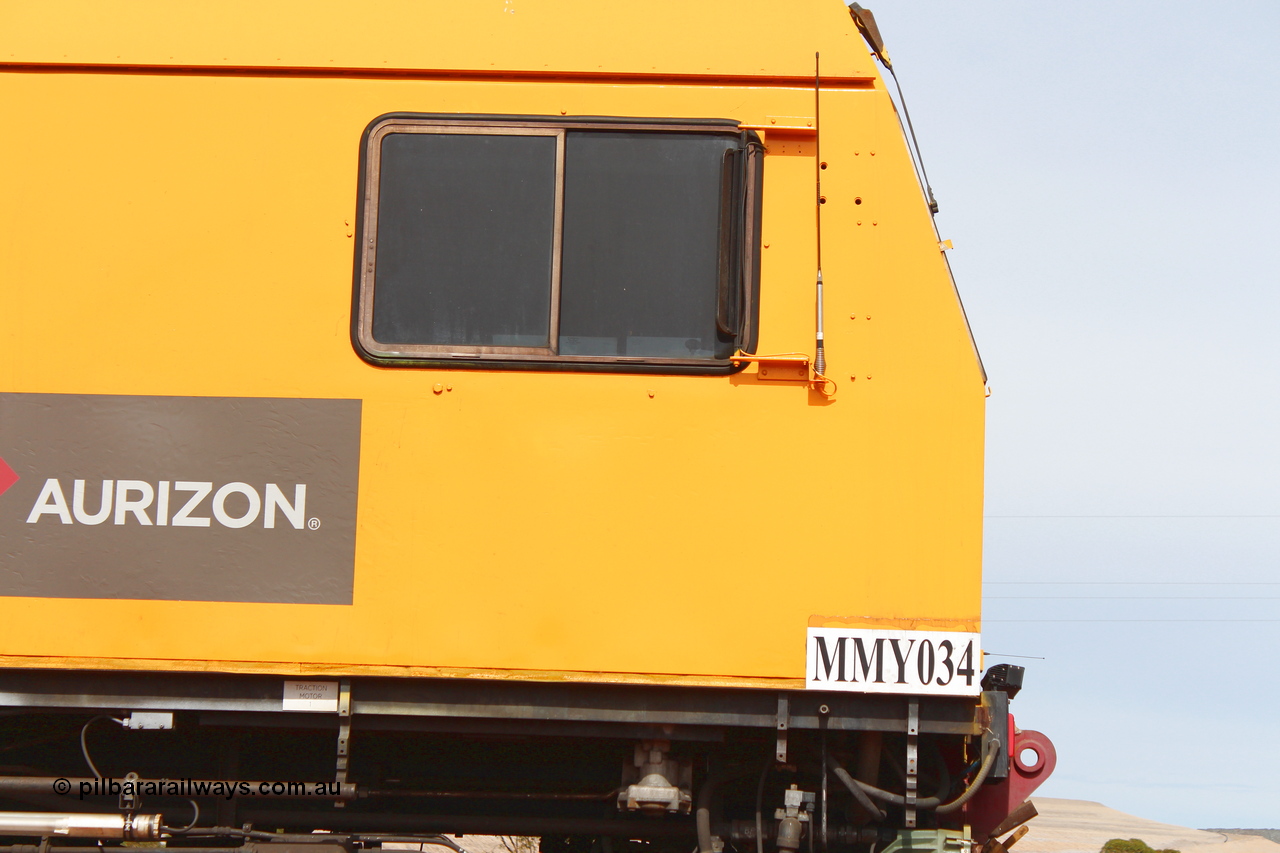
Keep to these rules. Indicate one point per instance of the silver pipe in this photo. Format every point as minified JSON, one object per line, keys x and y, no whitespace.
{"x":74,"y":825}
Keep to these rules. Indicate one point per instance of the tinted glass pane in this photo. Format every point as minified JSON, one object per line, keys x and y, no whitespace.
{"x":465,"y":227}
{"x":641,"y":244}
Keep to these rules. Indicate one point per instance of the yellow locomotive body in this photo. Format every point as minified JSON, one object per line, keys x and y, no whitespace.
{"x":182,"y":222}
{"x":188,"y":192}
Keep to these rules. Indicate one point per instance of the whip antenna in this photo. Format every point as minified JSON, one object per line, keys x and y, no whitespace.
{"x":820,"y":356}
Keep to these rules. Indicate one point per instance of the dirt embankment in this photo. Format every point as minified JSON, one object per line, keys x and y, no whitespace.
{"x":1080,"y":826}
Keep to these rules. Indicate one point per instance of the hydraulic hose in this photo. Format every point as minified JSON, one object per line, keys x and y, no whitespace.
{"x":853,"y":786}
{"x":872,"y":791}
{"x":988,"y":760}
{"x":703,"y":816}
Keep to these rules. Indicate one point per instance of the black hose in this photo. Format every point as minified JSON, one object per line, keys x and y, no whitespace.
{"x":341,"y":838}
{"x":224,"y":831}
{"x":988,"y":761}
{"x":84,"y":744}
{"x":703,"y":816}
{"x":855,"y":788}
{"x":944,"y":776}
{"x":438,"y":840}
{"x":236,"y":832}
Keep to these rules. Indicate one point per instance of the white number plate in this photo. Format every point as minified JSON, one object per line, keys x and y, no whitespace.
{"x":869,"y":660}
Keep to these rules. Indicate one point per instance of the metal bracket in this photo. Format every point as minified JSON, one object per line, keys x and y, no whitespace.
{"x":823,"y":712}
{"x":913,"y":763}
{"x":785,"y":132}
{"x":789,"y":367}
{"x":130,"y":801}
{"x":799,"y":125}
{"x":784,"y":722}
{"x":777,"y":368}
{"x":996,"y":705}
{"x":344,"y":735}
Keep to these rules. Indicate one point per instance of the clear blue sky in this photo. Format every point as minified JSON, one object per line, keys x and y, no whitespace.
{"x":1108,"y":173}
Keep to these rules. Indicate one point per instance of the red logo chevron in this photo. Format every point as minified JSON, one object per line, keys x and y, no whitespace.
{"x":7,"y":476}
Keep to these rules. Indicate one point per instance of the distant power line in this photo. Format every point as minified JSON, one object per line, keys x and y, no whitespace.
{"x":1131,"y":516}
{"x":1130,"y":598}
{"x":1181,"y":621}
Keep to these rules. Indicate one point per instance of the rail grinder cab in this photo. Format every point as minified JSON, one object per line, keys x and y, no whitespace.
{"x":412,"y":420}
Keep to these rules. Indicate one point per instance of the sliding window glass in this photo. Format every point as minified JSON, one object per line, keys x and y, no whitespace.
{"x":602,"y":242}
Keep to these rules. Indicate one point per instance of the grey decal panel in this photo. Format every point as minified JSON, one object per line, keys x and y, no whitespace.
{"x":178,"y":498}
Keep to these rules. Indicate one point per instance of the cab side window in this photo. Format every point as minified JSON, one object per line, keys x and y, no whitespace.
{"x":597,"y":243}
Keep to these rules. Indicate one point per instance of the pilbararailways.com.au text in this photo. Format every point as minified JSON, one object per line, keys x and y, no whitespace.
{"x":195,"y":788}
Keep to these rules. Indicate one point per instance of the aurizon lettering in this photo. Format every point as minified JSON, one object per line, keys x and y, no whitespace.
{"x":181,"y":503}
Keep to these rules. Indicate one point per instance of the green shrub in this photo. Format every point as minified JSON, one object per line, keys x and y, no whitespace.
{"x":1133,"y":845}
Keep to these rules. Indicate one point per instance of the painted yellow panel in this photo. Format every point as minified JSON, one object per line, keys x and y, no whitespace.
{"x":191,"y":234}
{"x":755,"y":38}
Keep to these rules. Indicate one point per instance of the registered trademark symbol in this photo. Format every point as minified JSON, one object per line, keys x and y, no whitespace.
{"x":313,"y":523}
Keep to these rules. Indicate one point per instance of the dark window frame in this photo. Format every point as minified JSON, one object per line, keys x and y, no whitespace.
{"x":739,"y":250}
